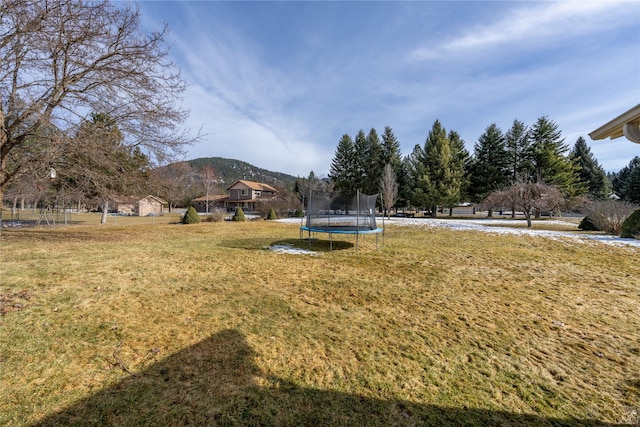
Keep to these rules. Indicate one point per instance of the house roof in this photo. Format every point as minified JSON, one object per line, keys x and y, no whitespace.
{"x":157,"y":199}
{"x":626,"y":124}
{"x":213,"y":198}
{"x":254,"y":185}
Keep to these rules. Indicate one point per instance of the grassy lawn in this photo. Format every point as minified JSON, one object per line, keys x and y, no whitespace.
{"x":165,"y":324}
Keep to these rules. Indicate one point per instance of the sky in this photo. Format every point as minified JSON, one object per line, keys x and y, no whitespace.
{"x":277,"y":84}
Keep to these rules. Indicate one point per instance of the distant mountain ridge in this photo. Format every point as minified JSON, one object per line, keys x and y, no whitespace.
{"x":230,"y":170}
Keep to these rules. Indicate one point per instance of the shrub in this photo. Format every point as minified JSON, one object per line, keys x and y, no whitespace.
{"x":298,"y":213}
{"x":587,"y":225}
{"x":239,"y":215}
{"x":216,"y":216}
{"x":191,"y":216}
{"x":272,"y":214}
{"x":631,"y":225}
{"x":608,"y":215}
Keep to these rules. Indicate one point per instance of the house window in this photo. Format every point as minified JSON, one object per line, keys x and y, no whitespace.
{"x":258,"y":193}
{"x":244,"y":192}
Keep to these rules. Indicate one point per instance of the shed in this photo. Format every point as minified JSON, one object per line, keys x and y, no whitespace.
{"x":151,"y":205}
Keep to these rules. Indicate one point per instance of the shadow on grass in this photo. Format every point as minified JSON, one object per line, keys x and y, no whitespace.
{"x":316,"y":245}
{"x":216,"y":382}
{"x":303,"y":244}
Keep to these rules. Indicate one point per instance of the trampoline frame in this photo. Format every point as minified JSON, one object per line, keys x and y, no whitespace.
{"x":342,"y":229}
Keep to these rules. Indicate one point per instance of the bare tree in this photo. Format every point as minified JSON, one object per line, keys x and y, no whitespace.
{"x":526,"y":197}
{"x":171,"y":182}
{"x":209,"y":182}
{"x":63,"y":59}
{"x":388,"y":188}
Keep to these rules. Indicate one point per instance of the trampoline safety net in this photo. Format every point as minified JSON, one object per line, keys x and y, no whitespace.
{"x":332,"y":212}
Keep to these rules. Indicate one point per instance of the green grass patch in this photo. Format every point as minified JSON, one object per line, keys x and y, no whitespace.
{"x":167,"y":324}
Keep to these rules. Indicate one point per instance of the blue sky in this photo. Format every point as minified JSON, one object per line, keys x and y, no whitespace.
{"x":277,"y":84}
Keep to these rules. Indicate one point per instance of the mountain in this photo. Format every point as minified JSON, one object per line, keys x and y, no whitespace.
{"x":227,"y":171}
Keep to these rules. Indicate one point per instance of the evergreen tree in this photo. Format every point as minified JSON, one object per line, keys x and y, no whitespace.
{"x":460,"y":167}
{"x":191,"y":216}
{"x":392,"y":155}
{"x":440,"y":184}
{"x":405,"y":184}
{"x":519,"y":153}
{"x":238,"y":216}
{"x":373,"y":163}
{"x":343,"y":167}
{"x":361,"y":148}
{"x":591,"y":174}
{"x":491,"y":168}
{"x":550,"y":164}
{"x":415,"y":166}
{"x":99,"y":165}
{"x":626,"y":183}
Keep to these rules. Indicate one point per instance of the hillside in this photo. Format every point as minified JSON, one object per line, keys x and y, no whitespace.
{"x":228,"y":171}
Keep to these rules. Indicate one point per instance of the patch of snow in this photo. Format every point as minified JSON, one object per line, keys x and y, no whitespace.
{"x":289,"y":249}
{"x":490,"y":225}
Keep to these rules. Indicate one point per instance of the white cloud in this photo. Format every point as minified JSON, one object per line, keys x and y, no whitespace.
{"x":287,"y":111}
{"x":240,"y":104}
{"x":529,"y":26}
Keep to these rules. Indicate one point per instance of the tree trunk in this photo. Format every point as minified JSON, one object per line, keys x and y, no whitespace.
{"x":105,"y":211}
{"x":528,"y":216}
{"x":490,"y":213}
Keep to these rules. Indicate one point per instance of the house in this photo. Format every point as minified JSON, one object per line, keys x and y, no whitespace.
{"x":626,"y":124}
{"x":217,"y":201}
{"x":149,"y":205}
{"x":248,"y":194}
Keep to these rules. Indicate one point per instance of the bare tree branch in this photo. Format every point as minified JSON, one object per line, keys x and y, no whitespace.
{"x":62,"y":60}
{"x":388,"y":188}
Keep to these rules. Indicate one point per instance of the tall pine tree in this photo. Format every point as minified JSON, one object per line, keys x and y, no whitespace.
{"x":519,"y":152}
{"x":343,"y":167}
{"x":591,"y":174}
{"x":361,"y":147}
{"x":374,"y":163}
{"x":491,"y":168}
{"x":440,"y":183}
{"x":626,"y":183}
{"x":415,"y":165}
{"x":550,"y":164}
{"x":460,"y":167}
{"x":391,"y":153}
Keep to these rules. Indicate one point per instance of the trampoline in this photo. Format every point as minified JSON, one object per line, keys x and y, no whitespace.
{"x":332,"y":213}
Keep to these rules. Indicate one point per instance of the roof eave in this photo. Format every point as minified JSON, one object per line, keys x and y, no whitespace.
{"x":614,"y":128}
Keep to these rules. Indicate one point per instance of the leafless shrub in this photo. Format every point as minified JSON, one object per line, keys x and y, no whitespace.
{"x":216,"y":216}
{"x":608,"y":215}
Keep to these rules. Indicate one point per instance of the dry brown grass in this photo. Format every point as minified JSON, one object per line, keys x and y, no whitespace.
{"x":441,"y":327}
